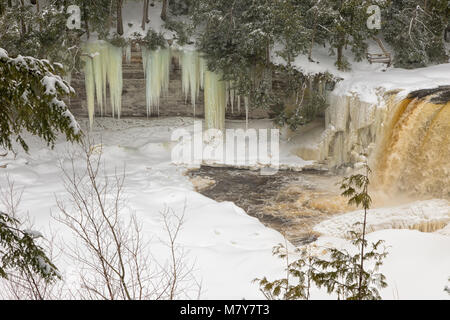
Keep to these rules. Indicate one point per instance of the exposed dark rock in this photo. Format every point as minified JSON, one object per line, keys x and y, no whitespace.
{"x":440,"y":95}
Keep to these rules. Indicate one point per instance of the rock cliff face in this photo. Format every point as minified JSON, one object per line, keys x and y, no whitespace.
{"x":134,"y":97}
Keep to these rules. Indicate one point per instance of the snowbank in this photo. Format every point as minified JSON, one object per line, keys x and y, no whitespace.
{"x":417,"y":266}
{"x":427,"y":216}
{"x":366,"y":83}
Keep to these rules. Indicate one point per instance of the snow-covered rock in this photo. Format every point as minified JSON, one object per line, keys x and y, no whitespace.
{"x":427,"y":216}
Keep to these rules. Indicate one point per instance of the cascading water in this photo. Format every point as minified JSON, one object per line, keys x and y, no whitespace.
{"x":405,"y":140}
{"x":413,"y":154}
{"x":103,"y":64}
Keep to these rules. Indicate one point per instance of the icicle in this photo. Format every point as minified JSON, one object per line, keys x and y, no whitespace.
{"x":239,"y":103}
{"x":90,"y":89}
{"x":104,"y":64}
{"x":203,"y":68}
{"x":115,"y":79}
{"x":246,"y":111}
{"x":100,"y":62}
{"x":232,"y":96}
{"x":215,"y":98}
{"x":191,"y":75}
{"x":227,"y":94}
{"x":97,"y":52}
{"x":127,"y":50}
{"x":144,"y":59}
{"x":156,"y":69}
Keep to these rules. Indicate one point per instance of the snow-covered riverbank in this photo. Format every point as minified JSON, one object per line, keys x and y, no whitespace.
{"x":229,"y":247}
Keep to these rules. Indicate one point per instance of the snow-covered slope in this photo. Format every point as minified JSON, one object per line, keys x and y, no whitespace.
{"x":428,"y":215}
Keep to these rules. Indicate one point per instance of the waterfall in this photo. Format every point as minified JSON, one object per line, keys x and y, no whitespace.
{"x":413,"y":154}
{"x":405,"y":140}
{"x":156,"y":69}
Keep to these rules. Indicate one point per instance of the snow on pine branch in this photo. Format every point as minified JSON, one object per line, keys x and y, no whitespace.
{"x":50,"y":81}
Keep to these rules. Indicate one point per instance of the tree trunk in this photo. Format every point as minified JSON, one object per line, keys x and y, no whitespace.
{"x":313,"y":38}
{"x":86,"y":23}
{"x":340,"y":50}
{"x":38,"y":10}
{"x":145,"y":14}
{"x":339,"y":56}
{"x":119,"y":17}
{"x":164,"y":10}
{"x":22,"y":22}
{"x":109,"y":23}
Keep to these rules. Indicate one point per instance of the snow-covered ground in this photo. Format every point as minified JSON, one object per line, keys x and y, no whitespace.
{"x":428,"y":216}
{"x":229,"y":247}
{"x":224,"y":242}
{"x":417,"y":266}
{"x":366,"y":80}
{"x":418,"y":263}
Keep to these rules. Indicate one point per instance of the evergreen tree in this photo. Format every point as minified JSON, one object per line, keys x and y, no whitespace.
{"x":416,"y":30}
{"x":31,"y":99}
{"x":20,"y":253}
{"x":236,"y":38}
{"x":45,"y":35}
{"x":347,"y":27}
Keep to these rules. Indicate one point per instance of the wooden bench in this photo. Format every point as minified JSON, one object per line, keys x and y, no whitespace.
{"x":379,"y":58}
{"x":384,"y":57}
